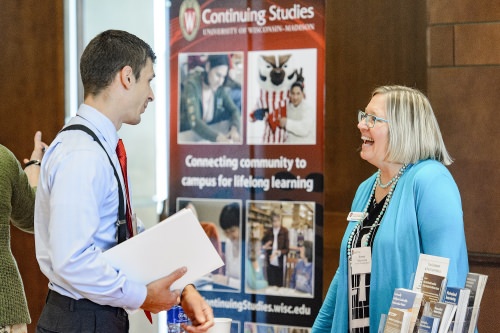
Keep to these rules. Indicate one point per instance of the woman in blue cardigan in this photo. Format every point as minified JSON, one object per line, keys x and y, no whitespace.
{"x":411,"y":205}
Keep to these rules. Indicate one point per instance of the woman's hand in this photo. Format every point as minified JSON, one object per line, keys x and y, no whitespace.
{"x":32,"y":170}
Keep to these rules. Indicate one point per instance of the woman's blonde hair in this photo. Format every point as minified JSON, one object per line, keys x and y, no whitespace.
{"x":414,"y":132}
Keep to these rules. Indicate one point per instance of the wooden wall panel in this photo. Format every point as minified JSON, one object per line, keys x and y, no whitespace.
{"x":439,"y":51}
{"x":32,"y":98}
{"x":464,"y":93}
{"x":465,"y":100}
{"x":471,"y":42}
{"x":449,"y":11}
{"x":488,"y":315}
{"x":368,"y":43}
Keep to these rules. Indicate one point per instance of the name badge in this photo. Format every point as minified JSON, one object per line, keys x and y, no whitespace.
{"x":356,"y":216}
{"x":361,"y":260}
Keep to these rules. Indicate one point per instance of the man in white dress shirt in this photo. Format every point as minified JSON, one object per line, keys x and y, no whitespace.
{"x":77,"y":203}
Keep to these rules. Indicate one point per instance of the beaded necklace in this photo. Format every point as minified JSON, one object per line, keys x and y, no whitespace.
{"x":356,"y":230}
{"x":379,"y":183}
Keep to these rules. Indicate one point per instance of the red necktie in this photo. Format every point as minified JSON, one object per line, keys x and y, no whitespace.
{"x":122,"y":157}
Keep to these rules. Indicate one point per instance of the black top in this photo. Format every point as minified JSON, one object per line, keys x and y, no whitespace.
{"x":360,"y":308}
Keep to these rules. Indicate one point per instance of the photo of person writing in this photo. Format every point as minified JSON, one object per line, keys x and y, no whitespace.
{"x":207,"y":111}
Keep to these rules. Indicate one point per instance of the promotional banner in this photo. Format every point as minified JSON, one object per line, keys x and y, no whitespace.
{"x":246,"y":153}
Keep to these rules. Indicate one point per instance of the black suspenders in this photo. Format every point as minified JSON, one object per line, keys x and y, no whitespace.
{"x":122,"y":222}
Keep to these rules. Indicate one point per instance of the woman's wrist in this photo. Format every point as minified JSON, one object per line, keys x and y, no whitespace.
{"x":32,"y":162}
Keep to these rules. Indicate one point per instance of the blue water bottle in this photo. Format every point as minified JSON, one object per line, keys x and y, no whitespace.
{"x":176,"y":317}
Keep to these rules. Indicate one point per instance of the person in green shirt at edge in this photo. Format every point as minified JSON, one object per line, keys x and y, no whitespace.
{"x":17,"y":190}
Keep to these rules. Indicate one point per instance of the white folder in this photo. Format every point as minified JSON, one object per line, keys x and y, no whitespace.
{"x":177,"y":241}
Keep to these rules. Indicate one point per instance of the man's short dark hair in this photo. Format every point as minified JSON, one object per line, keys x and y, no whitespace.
{"x":107,"y":54}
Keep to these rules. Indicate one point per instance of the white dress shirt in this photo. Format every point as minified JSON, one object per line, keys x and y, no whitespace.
{"x":76,"y":212}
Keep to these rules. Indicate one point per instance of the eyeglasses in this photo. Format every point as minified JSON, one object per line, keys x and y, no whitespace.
{"x":370,"y":120}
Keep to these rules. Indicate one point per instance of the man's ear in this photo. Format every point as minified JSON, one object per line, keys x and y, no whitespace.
{"x":126,"y":76}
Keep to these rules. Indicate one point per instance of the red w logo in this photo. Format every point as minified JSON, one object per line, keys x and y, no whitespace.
{"x":190,"y":20}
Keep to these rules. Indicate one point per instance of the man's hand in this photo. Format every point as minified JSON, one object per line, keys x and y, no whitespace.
{"x":160,"y":297}
{"x":197,"y":310}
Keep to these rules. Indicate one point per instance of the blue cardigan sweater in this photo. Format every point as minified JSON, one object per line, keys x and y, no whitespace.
{"x":423,"y":216}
